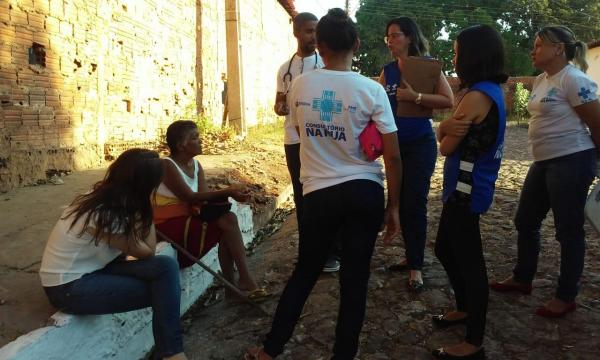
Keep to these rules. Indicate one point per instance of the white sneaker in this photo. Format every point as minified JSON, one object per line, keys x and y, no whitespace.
{"x":331,"y":265}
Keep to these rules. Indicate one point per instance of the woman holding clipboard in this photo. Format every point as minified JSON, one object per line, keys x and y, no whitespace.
{"x":415,"y":135}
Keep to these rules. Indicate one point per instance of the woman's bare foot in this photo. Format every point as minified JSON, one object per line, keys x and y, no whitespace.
{"x":455,"y":315}
{"x":256,"y":353}
{"x":415,"y":275}
{"x":462,"y":349}
{"x":557,"y":305}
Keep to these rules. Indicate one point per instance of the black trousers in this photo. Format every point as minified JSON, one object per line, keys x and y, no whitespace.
{"x":458,"y":247}
{"x":356,"y":208}
{"x":292,"y":158}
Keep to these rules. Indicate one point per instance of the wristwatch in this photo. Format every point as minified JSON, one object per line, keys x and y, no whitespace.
{"x":418,"y":99}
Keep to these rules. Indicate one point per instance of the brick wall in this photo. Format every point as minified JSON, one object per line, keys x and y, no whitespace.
{"x":117,"y":73}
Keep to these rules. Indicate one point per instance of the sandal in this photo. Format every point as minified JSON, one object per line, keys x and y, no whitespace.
{"x":258,"y":294}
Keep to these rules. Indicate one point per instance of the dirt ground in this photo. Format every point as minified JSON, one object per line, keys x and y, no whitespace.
{"x":398,"y":323}
{"x":28,"y":215}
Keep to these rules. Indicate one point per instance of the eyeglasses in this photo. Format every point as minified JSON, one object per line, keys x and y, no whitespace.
{"x":392,"y":36}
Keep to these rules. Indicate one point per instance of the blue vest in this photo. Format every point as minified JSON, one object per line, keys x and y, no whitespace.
{"x":485,"y":169}
{"x":409,"y":128}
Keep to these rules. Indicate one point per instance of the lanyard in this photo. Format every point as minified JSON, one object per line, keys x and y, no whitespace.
{"x":288,"y":75}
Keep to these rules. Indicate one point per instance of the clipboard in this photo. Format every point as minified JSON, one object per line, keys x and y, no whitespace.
{"x":423,"y":74}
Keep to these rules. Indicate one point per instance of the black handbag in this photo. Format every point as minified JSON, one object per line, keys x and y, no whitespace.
{"x":211,"y":211}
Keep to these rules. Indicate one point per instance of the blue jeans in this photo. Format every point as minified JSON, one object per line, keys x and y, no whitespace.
{"x":560,"y":184}
{"x":418,"y":164}
{"x":356,"y":208}
{"x":129,"y":285}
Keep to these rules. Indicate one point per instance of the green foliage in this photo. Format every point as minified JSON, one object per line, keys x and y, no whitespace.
{"x":442,"y":20}
{"x":520,"y":99}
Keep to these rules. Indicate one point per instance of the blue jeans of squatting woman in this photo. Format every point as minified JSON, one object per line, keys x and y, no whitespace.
{"x":418,"y":163}
{"x":560,"y":184}
{"x":130,"y":285}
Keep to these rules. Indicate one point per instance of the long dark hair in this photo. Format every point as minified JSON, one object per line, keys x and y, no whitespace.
{"x":120,"y":203}
{"x":419,"y":46}
{"x":480,"y":56}
{"x":337,"y":31}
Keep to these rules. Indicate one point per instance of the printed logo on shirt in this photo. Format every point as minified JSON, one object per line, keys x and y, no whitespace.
{"x":302,"y":103}
{"x":334,"y":132}
{"x":550,"y":95}
{"x":327,"y":105}
{"x":391,"y":89}
{"x":585,"y":95}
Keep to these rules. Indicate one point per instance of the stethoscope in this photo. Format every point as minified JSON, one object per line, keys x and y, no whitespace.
{"x":288,"y":75}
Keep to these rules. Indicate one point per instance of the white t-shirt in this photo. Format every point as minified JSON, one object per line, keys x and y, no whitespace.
{"x":298,"y":67}
{"x":68,"y":256}
{"x":555,"y":129}
{"x":331,"y":108}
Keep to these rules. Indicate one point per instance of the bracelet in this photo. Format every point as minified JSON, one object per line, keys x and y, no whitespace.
{"x":418,"y":99}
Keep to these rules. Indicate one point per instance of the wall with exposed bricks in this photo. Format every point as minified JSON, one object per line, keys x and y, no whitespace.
{"x":117,"y":72}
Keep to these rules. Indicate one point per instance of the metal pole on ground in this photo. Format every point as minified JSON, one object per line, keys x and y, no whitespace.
{"x":227,"y":284}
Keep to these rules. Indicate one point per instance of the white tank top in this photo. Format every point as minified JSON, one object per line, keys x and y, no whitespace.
{"x":191,"y":182}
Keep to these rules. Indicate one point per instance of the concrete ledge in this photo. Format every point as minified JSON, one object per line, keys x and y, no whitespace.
{"x":127,"y":335}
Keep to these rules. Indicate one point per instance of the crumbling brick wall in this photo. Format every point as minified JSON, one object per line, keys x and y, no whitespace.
{"x":82,"y":80}
{"x":111,"y":73}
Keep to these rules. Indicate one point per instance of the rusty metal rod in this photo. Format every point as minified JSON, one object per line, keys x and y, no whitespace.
{"x":227,"y":284}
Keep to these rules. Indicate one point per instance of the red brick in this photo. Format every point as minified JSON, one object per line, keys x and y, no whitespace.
{"x":66,"y":28}
{"x":7,"y":33}
{"x":4,"y":16}
{"x":52,"y":24}
{"x":41,"y":37}
{"x":18,"y":17}
{"x":56,"y":8}
{"x":42,"y":6}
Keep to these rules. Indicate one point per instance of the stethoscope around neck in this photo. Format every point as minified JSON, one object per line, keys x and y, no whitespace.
{"x":288,"y":75}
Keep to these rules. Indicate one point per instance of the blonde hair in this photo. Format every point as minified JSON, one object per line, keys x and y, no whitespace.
{"x":575,"y":50}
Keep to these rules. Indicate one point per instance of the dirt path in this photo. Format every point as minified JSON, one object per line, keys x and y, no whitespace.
{"x":398,"y":324}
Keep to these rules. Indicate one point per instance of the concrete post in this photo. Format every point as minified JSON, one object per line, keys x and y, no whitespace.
{"x":235,"y":86}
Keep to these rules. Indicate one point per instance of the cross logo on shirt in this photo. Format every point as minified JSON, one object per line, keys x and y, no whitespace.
{"x":327,"y":105}
{"x":584,"y":93}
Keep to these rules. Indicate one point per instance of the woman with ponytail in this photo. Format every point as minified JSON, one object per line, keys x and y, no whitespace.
{"x":564,"y":135}
{"x":343,"y":190}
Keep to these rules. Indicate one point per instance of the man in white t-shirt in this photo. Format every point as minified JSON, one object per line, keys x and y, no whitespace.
{"x":304,"y":60}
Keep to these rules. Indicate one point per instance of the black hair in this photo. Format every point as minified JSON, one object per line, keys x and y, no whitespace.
{"x":302,"y":18}
{"x":480,"y":56}
{"x":120,"y":203}
{"x":419,"y":46}
{"x":337,"y":31}
{"x":176,"y":133}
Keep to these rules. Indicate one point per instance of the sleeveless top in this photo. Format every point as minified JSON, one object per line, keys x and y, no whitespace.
{"x":409,"y":128}
{"x":473,"y":175}
{"x":192,"y":182}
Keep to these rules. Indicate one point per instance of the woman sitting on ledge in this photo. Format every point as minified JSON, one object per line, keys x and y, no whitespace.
{"x":196,"y":218}
{"x":84,"y":270}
